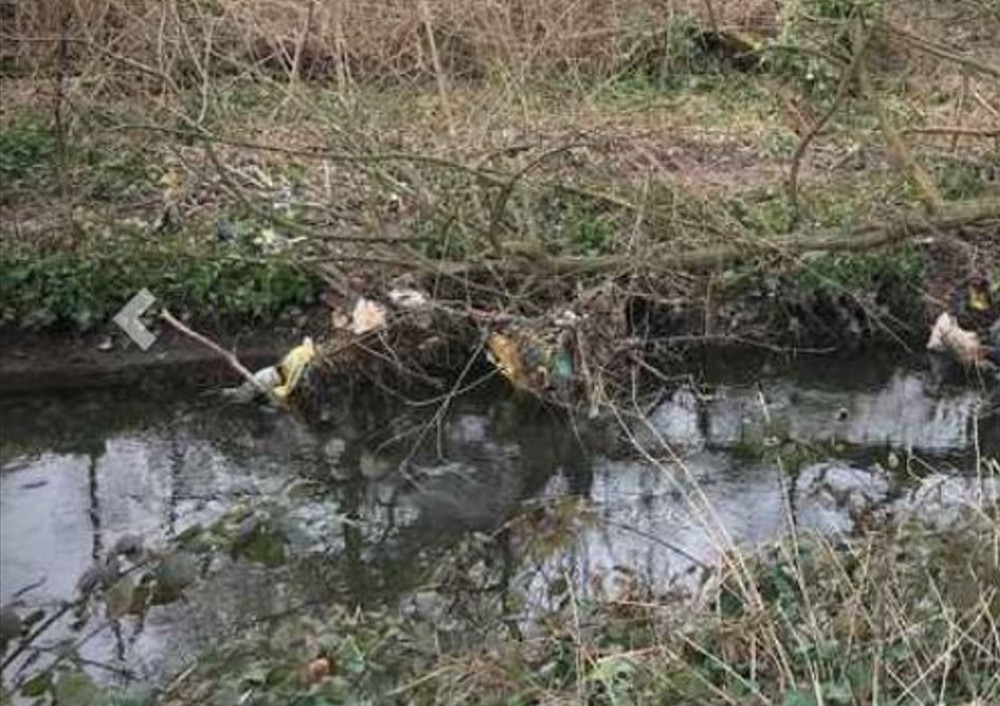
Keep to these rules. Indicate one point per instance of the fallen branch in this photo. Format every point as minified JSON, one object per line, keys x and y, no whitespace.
{"x":491,"y":177}
{"x":940,"y":51}
{"x":861,"y":238}
{"x":230,"y":358}
{"x":865,"y":237}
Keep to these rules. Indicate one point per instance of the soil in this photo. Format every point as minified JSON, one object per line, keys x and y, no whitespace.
{"x":31,"y":362}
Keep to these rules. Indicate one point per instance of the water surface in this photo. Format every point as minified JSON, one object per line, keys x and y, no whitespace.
{"x":735,"y":456}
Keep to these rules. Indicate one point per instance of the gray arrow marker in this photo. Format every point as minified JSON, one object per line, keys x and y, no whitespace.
{"x":128,"y":319}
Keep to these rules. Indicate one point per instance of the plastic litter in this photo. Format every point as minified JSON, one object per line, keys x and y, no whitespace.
{"x":505,"y":356}
{"x":279,"y":381}
{"x":562,"y":366}
{"x":292,"y":368}
{"x":367,"y":316}
{"x":950,"y":338}
{"x":407,"y":298}
{"x":528,"y":362}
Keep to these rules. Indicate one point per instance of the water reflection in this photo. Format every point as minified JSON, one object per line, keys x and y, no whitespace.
{"x":902,"y":413}
{"x":80,"y":472}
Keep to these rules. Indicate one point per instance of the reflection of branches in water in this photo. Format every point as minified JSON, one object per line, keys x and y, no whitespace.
{"x":656,"y":540}
{"x":94,"y":509}
{"x":509,"y":566}
{"x":114,"y":669}
{"x":352,"y":506}
{"x":67,"y":652}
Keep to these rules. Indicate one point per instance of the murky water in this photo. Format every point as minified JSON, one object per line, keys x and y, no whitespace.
{"x":393,"y":486}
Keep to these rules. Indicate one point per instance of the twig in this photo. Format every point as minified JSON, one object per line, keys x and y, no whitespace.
{"x":949,"y":130}
{"x":860,"y":47}
{"x":120,"y":671}
{"x":64,"y":608}
{"x":905,"y":160}
{"x":42,"y":627}
{"x":233,"y":361}
{"x":70,"y":650}
{"x":985,"y":104}
{"x":960,"y":111}
{"x":865,"y":237}
{"x":493,"y":177}
{"x":713,"y":21}
{"x":500,"y":205}
{"x":657,"y":540}
{"x":442,"y":87}
{"x":942,"y":52}
{"x":300,"y":45}
{"x":179,"y":680}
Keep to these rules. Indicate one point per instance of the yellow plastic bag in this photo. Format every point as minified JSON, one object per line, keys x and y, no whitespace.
{"x":506,"y":357}
{"x":292,"y":366}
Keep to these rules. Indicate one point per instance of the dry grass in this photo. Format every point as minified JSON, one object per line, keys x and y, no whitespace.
{"x":351,"y":41}
{"x":461,"y":131}
{"x":511,"y":43}
{"x":901,"y":612}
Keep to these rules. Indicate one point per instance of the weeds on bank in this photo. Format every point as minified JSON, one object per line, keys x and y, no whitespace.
{"x":904,"y":615}
{"x":27,"y":146}
{"x":513,"y":133}
{"x":80,"y":291}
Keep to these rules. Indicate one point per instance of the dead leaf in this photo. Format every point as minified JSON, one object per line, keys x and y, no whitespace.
{"x":318,"y":669}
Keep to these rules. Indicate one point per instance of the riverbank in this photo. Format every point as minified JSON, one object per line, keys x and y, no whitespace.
{"x":557,"y":200}
{"x":748,"y":183}
{"x":38,"y":363}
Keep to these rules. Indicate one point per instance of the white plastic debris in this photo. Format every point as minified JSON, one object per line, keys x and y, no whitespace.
{"x":271,"y":241}
{"x":267,"y":378}
{"x":567,"y":319}
{"x":367,"y":316}
{"x":948,"y":337}
{"x":407,"y":298}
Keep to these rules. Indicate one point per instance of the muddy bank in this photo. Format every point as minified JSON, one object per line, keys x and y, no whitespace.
{"x":52,"y":362}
